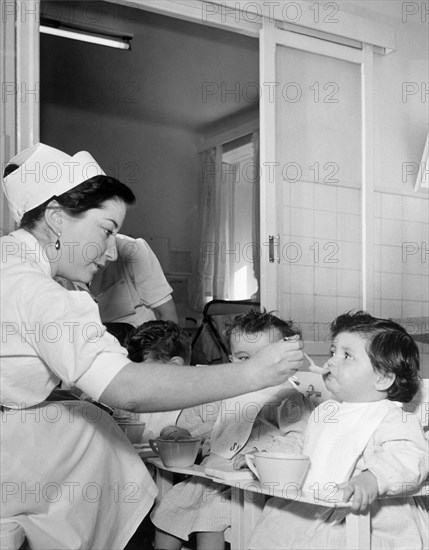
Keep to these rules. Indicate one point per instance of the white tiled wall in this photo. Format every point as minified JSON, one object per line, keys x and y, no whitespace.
{"x":321,"y":255}
{"x":401,"y":256}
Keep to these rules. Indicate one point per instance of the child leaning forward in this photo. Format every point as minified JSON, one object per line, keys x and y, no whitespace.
{"x":362,"y":443}
{"x":201,"y":506}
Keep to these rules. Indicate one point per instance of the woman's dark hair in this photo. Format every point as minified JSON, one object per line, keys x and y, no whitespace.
{"x":255,"y":321}
{"x":159,"y":341}
{"x":390,"y":349}
{"x":92,"y":193}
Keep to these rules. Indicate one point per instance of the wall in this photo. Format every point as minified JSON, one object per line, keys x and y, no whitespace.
{"x":319,"y":214}
{"x":401,"y":126}
{"x":164,"y":178}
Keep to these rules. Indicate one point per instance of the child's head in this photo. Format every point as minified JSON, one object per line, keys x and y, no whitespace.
{"x":251,"y":331}
{"x":372,"y":359}
{"x":120,"y":331}
{"x":160,"y":342}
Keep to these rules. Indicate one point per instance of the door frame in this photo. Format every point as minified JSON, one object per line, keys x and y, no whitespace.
{"x":271,"y":37}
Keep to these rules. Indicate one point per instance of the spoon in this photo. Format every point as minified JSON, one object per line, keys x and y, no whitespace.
{"x":315,"y":368}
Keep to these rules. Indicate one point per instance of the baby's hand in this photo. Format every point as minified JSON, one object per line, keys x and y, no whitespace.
{"x":363,"y":488}
{"x":174,"y":432}
{"x":240,"y":460}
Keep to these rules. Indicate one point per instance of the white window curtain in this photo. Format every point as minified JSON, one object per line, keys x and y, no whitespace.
{"x":213,"y":277}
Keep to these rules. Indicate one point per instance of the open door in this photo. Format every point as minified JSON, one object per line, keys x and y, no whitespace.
{"x":316,"y":169}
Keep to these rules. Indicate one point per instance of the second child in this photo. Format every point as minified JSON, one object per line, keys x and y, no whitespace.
{"x":201,"y":506}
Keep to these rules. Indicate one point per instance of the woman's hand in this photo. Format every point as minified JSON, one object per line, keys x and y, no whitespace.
{"x":363,"y":488}
{"x":277,"y":362}
{"x":240,"y":459}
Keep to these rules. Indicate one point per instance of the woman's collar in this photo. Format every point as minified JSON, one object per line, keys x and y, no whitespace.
{"x":32,"y":250}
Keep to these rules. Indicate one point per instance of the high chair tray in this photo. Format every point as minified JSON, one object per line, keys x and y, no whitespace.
{"x":191,"y":470}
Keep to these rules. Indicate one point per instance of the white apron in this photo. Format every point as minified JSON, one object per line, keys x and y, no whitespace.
{"x":71,"y":477}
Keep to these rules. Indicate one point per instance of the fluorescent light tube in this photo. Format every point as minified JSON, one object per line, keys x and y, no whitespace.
{"x":84,"y":36}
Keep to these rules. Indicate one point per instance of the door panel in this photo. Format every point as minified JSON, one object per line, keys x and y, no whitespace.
{"x":317,"y":144}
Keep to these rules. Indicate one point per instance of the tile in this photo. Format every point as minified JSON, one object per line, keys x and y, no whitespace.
{"x":302,"y":308}
{"x":411,"y":308}
{"x":302,"y":280}
{"x":285,"y":306}
{"x":390,"y":286}
{"x":349,"y":283}
{"x":325,"y":281}
{"x":390,"y":259}
{"x":377,"y":231}
{"x":350,"y":255}
{"x":294,"y":250}
{"x":325,"y":197}
{"x":348,"y":200}
{"x":391,"y":206}
{"x":286,"y":216}
{"x":377,"y":205}
{"x":302,"y":222}
{"x":414,"y":232}
{"x":390,"y":308}
{"x":325,"y":309}
{"x":349,"y":227}
{"x":412,"y":208}
{"x":377,"y":286}
{"x":284,"y":278}
{"x":412,"y":287}
{"x":325,"y":225}
{"x":411,"y":258}
{"x":391,"y":232}
{"x":376,"y":309}
{"x":377,"y":257}
{"x":302,"y":194}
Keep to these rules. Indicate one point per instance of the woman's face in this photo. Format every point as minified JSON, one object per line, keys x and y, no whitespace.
{"x":89,"y":241}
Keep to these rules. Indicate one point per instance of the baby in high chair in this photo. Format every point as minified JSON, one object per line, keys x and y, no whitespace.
{"x":273,"y":419}
{"x":165,"y":342}
{"x":361,"y":444}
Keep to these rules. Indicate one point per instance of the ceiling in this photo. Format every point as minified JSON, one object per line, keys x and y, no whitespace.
{"x":177,"y":73}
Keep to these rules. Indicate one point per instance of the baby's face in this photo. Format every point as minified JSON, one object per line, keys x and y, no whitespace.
{"x":351,"y":376}
{"x":244,"y":346}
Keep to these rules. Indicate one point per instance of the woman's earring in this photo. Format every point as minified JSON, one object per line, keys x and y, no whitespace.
{"x":57,"y":243}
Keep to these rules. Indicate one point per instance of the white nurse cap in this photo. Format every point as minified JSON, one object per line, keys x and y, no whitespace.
{"x":45,"y":172}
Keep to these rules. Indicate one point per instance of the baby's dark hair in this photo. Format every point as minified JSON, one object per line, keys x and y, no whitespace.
{"x":159,"y":341}
{"x":390,"y":349}
{"x":255,"y":321}
{"x":120,"y":331}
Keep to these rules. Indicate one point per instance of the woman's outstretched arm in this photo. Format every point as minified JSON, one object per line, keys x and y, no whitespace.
{"x":147,"y":387}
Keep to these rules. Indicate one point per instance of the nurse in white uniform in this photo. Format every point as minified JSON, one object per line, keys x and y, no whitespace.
{"x":69,"y":475}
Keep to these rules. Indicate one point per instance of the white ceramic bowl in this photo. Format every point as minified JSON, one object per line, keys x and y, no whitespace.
{"x":179,"y":453}
{"x":279,"y":469}
{"x":133,"y":429}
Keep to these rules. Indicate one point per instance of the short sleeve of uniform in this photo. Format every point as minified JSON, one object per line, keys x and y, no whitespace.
{"x":65,"y":331}
{"x":145,"y":271}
